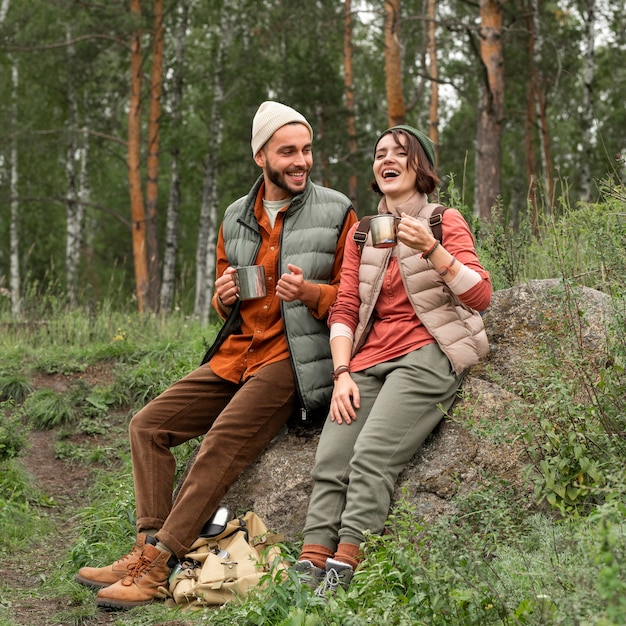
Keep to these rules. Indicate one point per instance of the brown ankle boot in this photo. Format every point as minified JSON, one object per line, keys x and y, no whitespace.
{"x":141,"y":583}
{"x":99,"y":577}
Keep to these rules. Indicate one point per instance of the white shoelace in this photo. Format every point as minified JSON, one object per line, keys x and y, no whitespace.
{"x":329,"y":584}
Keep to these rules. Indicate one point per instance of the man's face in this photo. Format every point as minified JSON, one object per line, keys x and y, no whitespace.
{"x":286,"y":160}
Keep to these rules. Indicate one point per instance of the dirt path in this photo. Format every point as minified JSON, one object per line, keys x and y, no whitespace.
{"x":66,"y":484}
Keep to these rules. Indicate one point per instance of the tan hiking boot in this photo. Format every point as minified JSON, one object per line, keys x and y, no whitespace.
{"x":141,"y":584}
{"x":100,"y":577}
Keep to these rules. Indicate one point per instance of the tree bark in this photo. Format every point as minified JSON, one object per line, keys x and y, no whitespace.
{"x":588,"y":100}
{"x":541,"y":108}
{"x":207,"y":231}
{"x":348,"y":81}
{"x":396,"y":111}
{"x":173,"y":206}
{"x":152,"y":162}
{"x":134,"y":163}
{"x":488,"y":185}
{"x":74,"y":208}
{"x":433,"y":116}
{"x":14,"y":244}
{"x":15,"y":276}
{"x":531,"y":122}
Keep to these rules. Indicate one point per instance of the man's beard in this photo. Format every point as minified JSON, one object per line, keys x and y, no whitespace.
{"x":278,"y":179}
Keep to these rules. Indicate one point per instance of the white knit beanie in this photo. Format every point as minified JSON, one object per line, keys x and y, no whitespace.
{"x":269,"y":118}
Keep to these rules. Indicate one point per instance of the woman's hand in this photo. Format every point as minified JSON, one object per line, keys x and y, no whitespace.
{"x":413,"y":233}
{"x":226,"y":288}
{"x":346,"y":398}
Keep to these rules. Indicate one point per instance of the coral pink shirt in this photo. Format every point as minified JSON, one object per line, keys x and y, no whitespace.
{"x":397,"y":330}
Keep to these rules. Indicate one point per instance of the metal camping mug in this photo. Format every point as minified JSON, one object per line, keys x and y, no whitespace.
{"x":383,"y":229}
{"x":251,"y":282}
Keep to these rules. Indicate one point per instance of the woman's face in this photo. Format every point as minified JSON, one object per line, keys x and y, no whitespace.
{"x":393,"y":174}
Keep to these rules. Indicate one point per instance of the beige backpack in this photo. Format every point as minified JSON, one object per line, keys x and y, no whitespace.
{"x":222,"y":568}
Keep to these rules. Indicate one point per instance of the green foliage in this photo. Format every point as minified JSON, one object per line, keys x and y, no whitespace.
{"x":20,"y":518}
{"x":574,"y":440}
{"x":15,"y":387}
{"x":46,"y":409}
{"x":503,"y":249}
{"x":585,"y":244}
{"x":107,"y":526}
{"x":13,"y":434}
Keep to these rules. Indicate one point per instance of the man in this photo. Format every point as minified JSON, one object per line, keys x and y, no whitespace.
{"x":271,"y":357}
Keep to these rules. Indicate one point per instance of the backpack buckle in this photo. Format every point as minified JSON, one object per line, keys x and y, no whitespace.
{"x":435,"y":220}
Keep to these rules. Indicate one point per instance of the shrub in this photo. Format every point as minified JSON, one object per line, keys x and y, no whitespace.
{"x":15,"y":387}
{"x":13,"y":435}
{"x":45,"y":409}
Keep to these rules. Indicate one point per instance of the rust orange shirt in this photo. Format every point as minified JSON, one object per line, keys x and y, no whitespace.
{"x":262,"y":340}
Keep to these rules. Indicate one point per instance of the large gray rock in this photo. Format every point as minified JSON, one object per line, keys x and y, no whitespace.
{"x":453,"y":459}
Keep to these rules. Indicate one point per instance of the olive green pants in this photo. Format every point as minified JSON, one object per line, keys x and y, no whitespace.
{"x":357,"y":464}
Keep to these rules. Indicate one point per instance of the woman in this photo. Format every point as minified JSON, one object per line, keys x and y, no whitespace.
{"x":404,"y":328}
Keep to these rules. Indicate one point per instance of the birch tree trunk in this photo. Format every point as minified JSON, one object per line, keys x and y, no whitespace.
{"x":396,"y":111}
{"x":588,"y":100}
{"x":207,"y":231}
{"x":14,"y":263}
{"x":152,"y":162}
{"x":134,"y":161}
{"x":14,"y":247}
{"x":488,"y":184}
{"x":433,"y":117}
{"x":74,"y":209}
{"x":173,"y":206}
{"x":348,"y":81}
{"x":84,"y":192}
{"x":531,"y":120}
{"x":541,"y":107}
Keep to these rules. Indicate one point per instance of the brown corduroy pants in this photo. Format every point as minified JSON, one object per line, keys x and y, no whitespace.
{"x":238,"y":421}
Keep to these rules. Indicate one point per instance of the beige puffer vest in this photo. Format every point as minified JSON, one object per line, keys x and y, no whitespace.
{"x":458,"y":330}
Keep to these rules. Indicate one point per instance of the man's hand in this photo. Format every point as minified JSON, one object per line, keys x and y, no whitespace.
{"x":226,"y":288}
{"x":292,"y":286}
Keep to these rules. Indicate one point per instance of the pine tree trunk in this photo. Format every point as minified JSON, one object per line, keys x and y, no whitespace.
{"x":491,"y":109}
{"x":396,"y":111}
{"x":541,"y":114}
{"x":134,"y":162}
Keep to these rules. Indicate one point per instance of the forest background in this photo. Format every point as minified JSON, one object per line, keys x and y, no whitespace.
{"x":125,"y":126}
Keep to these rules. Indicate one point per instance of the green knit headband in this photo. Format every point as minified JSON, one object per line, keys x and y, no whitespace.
{"x":425,"y":141}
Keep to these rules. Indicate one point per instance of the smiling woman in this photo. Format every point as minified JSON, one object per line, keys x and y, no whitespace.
{"x":403,"y":330}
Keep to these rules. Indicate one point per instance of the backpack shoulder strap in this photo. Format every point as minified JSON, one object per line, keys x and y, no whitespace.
{"x":360,"y":234}
{"x":435,"y":221}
